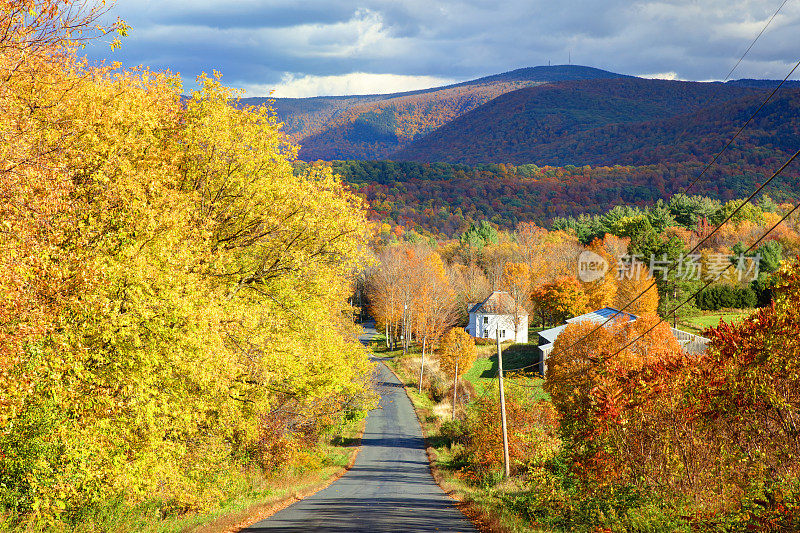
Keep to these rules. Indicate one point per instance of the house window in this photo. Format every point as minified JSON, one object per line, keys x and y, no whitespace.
{"x":502,"y":334}
{"x":485,"y":320}
{"x":485,"y":334}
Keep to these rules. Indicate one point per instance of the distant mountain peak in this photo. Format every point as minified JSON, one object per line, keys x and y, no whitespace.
{"x":554,"y":73}
{"x":534,"y":110}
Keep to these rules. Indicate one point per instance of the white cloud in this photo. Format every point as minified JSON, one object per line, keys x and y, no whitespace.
{"x":328,"y":46}
{"x":672,"y":75}
{"x":292,"y":86}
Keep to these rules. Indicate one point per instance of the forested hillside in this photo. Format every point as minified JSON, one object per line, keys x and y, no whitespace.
{"x":634,"y":122}
{"x":373,"y":126}
{"x":445,"y":199}
{"x":563,"y":115}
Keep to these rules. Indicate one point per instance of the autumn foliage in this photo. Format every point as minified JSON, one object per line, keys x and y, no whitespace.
{"x":560,"y":299}
{"x":173,"y":299}
{"x":532,"y":433}
{"x":456,"y":353}
{"x":710,"y":435}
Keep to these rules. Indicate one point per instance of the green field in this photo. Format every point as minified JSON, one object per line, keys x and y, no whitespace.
{"x":483,"y":373}
{"x":697,"y":324}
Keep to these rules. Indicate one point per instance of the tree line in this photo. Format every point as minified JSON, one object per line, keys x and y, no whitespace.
{"x":423,"y":285}
{"x":445,"y":199}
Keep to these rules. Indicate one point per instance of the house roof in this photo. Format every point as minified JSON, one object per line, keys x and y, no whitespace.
{"x":597,"y":317}
{"x":550,"y":334}
{"x":601,"y":315}
{"x":689,"y":342}
{"x":498,"y":303}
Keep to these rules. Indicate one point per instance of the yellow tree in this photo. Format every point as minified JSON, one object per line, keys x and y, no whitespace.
{"x":40,"y":82}
{"x":172,"y":283}
{"x":433,"y":302}
{"x":554,"y":256}
{"x":456,"y":356}
{"x":494,"y":259}
{"x":602,"y":291}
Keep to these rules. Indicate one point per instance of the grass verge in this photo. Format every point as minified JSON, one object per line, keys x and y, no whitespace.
{"x":250,"y":496}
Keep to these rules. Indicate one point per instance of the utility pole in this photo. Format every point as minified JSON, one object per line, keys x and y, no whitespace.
{"x":506,"y":464}
{"x":455,"y":390}
{"x":422,"y":365}
{"x":405,"y":328}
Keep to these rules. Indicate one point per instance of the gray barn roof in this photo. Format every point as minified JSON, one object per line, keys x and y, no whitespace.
{"x":498,"y":303}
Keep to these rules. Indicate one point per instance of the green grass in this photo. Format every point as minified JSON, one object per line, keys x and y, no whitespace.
{"x":516,"y":357}
{"x":379,"y":339}
{"x":483,"y":374}
{"x":378,"y":347}
{"x":533,"y":331}
{"x":697,"y":324}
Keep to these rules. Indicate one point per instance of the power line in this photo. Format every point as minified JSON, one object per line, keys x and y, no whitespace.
{"x":674,"y":310}
{"x":739,"y":131}
{"x":730,"y":72}
{"x":686,"y":189}
{"x":756,"y":39}
{"x":714,"y":160}
{"x":670,"y":267}
{"x":689,"y":299}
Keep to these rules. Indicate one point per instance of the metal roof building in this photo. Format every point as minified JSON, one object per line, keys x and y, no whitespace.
{"x":689,"y":342}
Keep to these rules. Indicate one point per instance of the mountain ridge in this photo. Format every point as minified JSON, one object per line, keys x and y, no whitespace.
{"x":517,"y":128}
{"x":554,"y":115}
{"x":374,"y":125}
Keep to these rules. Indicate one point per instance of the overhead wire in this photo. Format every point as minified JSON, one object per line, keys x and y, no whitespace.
{"x":709,"y":165}
{"x":703,"y":172}
{"x":674,"y":310}
{"x":695,"y":293}
{"x":620,"y":311}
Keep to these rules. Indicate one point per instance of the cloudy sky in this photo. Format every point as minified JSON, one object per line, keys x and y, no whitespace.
{"x":300,"y":48}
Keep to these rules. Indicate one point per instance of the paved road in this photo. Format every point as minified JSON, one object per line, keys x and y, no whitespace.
{"x":369,"y":332}
{"x":390,"y":487}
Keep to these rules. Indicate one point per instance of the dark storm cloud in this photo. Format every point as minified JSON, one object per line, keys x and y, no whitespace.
{"x":263,"y":44}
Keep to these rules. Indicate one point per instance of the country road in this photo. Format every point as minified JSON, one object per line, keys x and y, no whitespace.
{"x":389,"y":488}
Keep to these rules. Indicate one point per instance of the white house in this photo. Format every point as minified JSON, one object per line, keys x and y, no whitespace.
{"x":689,"y":342}
{"x":498,"y":312}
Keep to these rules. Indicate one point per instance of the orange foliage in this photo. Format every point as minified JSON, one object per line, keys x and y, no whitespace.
{"x":561,"y":299}
{"x":531,"y":429}
{"x":602,"y":292}
{"x":596,"y":385}
{"x":629,"y":287}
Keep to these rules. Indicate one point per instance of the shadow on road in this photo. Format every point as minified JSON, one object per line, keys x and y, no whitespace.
{"x":387,"y":384}
{"x":377,"y":514}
